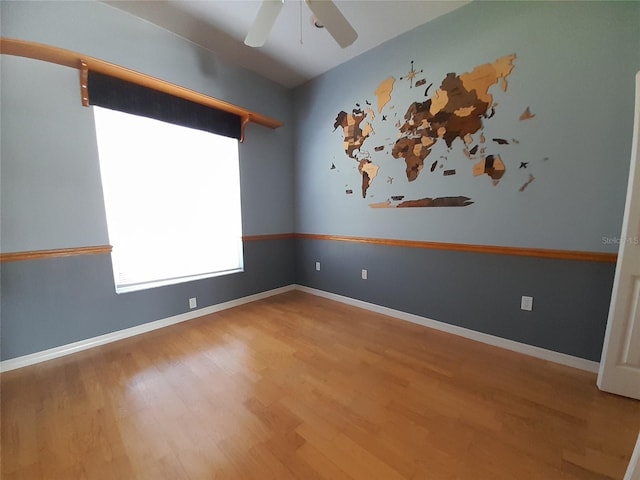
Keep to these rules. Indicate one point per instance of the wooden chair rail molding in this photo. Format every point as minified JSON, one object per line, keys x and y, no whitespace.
{"x":83,"y":63}
{"x":268,"y":236}
{"x":462,"y":247}
{"x":54,"y":253}
{"x":456,"y":247}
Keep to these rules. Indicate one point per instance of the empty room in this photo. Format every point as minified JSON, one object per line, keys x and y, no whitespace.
{"x":314,"y":239}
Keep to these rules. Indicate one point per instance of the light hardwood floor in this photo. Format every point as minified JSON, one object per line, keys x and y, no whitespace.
{"x":300,"y":387}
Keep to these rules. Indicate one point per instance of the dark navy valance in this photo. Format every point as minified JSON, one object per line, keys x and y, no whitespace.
{"x":116,"y":94}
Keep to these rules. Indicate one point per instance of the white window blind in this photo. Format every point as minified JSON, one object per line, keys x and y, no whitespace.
{"x":172,"y":199}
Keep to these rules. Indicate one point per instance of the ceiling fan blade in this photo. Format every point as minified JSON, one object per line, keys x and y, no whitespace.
{"x":332,"y":19}
{"x":263,"y":23}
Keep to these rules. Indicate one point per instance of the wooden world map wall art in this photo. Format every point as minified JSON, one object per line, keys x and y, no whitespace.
{"x":452,"y":116}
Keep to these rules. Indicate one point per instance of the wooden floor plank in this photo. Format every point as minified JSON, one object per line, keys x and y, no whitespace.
{"x":300,"y":387}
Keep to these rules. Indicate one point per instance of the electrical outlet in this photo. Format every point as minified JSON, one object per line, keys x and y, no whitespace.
{"x":317,"y":266}
{"x":364,"y":274}
{"x":526,"y":303}
{"x":193,"y":303}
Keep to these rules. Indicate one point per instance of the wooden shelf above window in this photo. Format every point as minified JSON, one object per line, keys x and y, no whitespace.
{"x":60,"y":56}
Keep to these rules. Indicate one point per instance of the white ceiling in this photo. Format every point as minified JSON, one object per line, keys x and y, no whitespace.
{"x":221,"y":25}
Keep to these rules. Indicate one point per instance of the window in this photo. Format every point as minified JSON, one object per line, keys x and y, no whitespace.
{"x":172,"y":198}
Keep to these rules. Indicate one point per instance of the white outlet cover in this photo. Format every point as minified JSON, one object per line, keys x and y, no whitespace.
{"x":193,"y":303}
{"x":526,"y":303}
{"x":317,"y":266}
{"x":364,"y":274}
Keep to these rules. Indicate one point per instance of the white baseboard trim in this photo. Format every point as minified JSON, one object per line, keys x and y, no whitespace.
{"x":542,"y":353}
{"x":61,"y":351}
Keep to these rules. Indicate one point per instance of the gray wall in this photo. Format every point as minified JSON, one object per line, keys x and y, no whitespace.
{"x":47,"y":177}
{"x":575,"y":69}
{"x":48,"y":303}
{"x":51,"y":193}
{"x":480,"y":292}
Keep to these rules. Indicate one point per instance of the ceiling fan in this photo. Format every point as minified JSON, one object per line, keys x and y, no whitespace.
{"x":325,"y":11}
